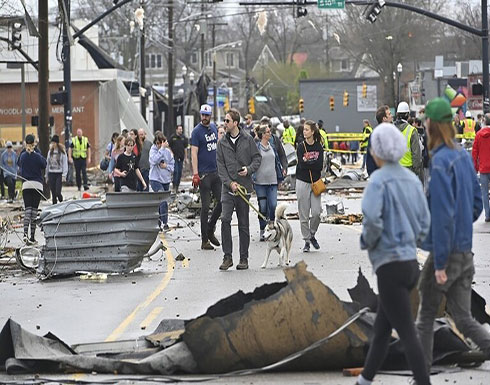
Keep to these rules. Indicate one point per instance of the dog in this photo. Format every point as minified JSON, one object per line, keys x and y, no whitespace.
{"x":279,"y":237}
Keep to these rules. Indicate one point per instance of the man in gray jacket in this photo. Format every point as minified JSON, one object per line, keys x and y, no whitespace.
{"x":238,"y":158}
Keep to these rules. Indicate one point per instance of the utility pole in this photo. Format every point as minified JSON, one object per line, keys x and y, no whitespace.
{"x":202,"y":39}
{"x":170,"y":115}
{"x":215,"y":89}
{"x":43,"y":80}
{"x":142,"y":67}
{"x":484,"y":42}
{"x":66,"y":56}
{"x":23,"y":98}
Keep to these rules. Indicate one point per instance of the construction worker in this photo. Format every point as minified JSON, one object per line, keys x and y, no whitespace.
{"x":323,"y":133}
{"x":413,"y":157}
{"x":289,"y":134}
{"x":79,"y":153}
{"x":469,"y":126}
{"x":366,"y":131}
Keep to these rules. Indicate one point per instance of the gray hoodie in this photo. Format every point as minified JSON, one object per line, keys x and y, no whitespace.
{"x":232,"y":157}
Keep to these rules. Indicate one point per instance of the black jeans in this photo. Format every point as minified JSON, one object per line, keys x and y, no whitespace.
{"x":81,"y":168}
{"x":55,"y":186}
{"x":2,"y":181}
{"x":210,"y":184}
{"x":10,"y":182}
{"x":395,"y":281}
{"x":230,"y":203}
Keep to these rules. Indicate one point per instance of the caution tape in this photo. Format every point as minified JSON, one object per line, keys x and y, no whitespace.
{"x":346,"y":151}
{"x":346,"y":135}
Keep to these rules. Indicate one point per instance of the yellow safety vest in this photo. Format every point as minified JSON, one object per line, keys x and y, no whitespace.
{"x":289,"y":135}
{"x":325,"y":139}
{"x":406,"y":160}
{"x":469,"y":129}
{"x":80,"y":147}
{"x":367,"y":131}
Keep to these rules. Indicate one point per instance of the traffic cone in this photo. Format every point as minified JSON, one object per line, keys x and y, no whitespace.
{"x":87,"y":195}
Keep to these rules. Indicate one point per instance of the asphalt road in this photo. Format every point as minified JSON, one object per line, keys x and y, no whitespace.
{"x":128,"y":306}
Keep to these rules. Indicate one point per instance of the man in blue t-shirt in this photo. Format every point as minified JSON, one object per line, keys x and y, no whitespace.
{"x":205,"y":175}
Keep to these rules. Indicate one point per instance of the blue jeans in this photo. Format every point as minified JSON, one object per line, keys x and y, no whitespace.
{"x":179,"y":164}
{"x":267,"y":198}
{"x":163,"y":209}
{"x":146,"y":176}
{"x":484,"y":182}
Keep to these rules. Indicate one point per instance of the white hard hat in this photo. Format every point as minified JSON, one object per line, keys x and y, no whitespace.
{"x":468,"y":114}
{"x":403,"y":108}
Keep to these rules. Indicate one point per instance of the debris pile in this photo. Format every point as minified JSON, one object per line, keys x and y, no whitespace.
{"x":346,"y":219}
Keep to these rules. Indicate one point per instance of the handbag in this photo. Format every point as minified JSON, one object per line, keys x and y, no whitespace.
{"x":317,"y":187}
{"x":104,"y":164}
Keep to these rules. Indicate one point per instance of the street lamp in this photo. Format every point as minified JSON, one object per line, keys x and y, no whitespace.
{"x":399,"y":69}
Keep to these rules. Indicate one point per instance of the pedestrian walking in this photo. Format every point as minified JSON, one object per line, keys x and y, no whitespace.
{"x":396,"y":219}
{"x":413,"y":156}
{"x":249,"y":125}
{"x":481,"y":161}
{"x":144,"y":162}
{"x":116,"y":151}
{"x":289,"y":133}
{"x":9,"y":170}
{"x":127,"y":168}
{"x":57,"y":168}
{"x":106,"y":160}
{"x":267,"y":177}
{"x":80,"y":155}
{"x":354,"y":148}
{"x":383,"y":115}
{"x":455,"y":202}
{"x":204,"y":139}
{"x":178,"y":144}
{"x":31,"y":168}
{"x":162,"y":169}
{"x":238,"y":158}
{"x":308,"y":171}
{"x":367,"y":130}
{"x":221,"y":131}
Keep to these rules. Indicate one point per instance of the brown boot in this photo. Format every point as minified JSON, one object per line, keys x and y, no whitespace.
{"x":206,"y":246}
{"x":243,"y":265}
{"x":227,"y":262}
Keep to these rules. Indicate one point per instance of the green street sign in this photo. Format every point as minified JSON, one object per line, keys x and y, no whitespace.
{"x":331,"y":4}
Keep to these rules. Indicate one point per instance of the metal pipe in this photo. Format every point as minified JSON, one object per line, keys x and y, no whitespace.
{"x":67,"y":75}
{"x":484,"y":42}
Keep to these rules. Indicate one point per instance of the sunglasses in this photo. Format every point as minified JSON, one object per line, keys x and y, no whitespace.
{"x":227,"y":120}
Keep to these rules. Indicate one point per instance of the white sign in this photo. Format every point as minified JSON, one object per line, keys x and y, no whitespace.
{"x":370,"y":102}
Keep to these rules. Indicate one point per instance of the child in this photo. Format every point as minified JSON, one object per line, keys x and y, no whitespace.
{"x":127,"y":168}
{"x":396,"y":219}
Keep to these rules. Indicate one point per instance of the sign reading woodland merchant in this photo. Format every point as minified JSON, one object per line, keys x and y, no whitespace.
{"x":12,"y":111}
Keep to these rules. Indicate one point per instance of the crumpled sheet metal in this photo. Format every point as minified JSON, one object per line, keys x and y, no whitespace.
{"x":250,"y":331}
{"x":110,"y":236}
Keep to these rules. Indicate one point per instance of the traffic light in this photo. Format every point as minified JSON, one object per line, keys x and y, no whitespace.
{"x":301,"y":106}
{"x":332,"y":103}
{"x":16,"y":37}
{"x":251,"y":105}
{"x":226,"y":105}
{"x":346,"y":98}
{"x":301,"y":11}
{"x":364,"y":90}
{"x":374,"y":10}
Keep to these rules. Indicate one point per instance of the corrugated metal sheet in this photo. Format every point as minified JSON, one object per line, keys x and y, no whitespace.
{"x":110,"y":236}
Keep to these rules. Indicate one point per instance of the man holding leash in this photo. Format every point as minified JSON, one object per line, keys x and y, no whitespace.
{"x":238,"y":158}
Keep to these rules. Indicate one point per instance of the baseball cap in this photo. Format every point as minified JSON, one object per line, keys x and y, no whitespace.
{"x":30,"y":139}
{"x":9,"y":144}
{"x":206,"y":109}
{"x":439,"y":110}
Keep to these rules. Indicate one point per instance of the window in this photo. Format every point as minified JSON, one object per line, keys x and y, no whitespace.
{"x":159,"y":61}
{"x":194,"y":58}
{"x":230,"y":59}
{"x":207,"y":59}
{"x":147,"y":61}
{"x":153,"y":61}
{"x":344,"y":65}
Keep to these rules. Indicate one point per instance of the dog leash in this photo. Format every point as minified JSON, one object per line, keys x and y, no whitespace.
{"x":242,"y":193}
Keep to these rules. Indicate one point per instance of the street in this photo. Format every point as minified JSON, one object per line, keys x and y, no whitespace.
{"x":124,"y":307}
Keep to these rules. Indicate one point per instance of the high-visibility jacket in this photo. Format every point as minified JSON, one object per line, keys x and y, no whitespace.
{"x":325,"y":139}
{"x":367,"y":131}
{"x":469,"y":129}
{"x":289,"y":135}
{"x":80,"y":147}
{"x":406,"y":160}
